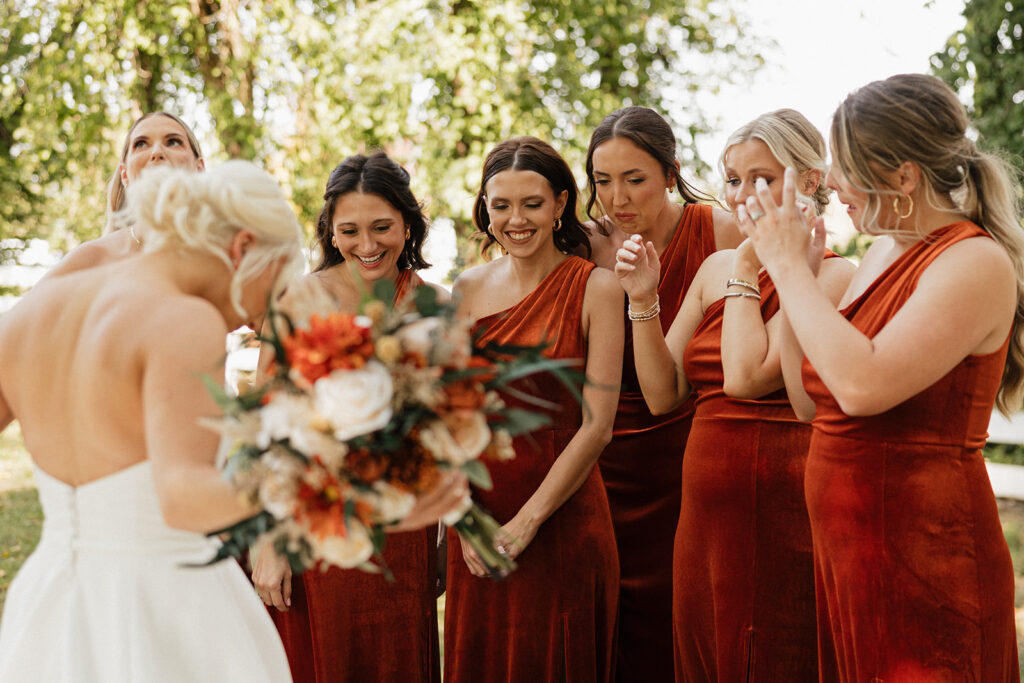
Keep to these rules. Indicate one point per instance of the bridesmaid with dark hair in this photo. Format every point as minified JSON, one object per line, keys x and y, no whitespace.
{"x":632,"y":172}
{"x":347,"y":624}
{"x":553,"y":618}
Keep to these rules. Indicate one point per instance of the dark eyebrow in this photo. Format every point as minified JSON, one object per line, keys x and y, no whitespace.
{"x":525,"y":199}
{"x":375,"y":221}
{"x":630,"y":171}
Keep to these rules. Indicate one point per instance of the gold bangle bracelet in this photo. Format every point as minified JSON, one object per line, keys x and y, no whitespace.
{"x":745,"y":295}
{"x":743,"y":283}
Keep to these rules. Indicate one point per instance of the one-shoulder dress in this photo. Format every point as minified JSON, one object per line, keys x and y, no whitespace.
{"x":553,"y":618}
{"x":914,"y":580}
{"x":347,"y":625}
{"x":642,"y":469}
{"x":744,"y":582}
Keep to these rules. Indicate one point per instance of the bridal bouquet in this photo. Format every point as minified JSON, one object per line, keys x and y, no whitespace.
{"x":361,"y":413}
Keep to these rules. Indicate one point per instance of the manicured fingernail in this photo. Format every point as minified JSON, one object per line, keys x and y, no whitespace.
{"x":761,"y":184}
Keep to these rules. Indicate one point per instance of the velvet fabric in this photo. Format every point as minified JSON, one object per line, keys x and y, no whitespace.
{"x":347,"y":625}
{"x":553,"y":618}
{"x":743,"y":601}
{"x":642,"y":469}
{"x":913,"y":575}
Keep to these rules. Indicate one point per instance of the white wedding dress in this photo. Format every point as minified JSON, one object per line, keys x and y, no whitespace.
{"x":105,"y":597}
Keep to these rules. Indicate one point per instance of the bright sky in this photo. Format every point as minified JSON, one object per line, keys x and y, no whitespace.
{"x":824,"y":50}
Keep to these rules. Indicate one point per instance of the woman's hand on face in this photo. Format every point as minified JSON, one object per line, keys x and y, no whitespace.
{"x":780,"y":234}
{"x":638,"y":268}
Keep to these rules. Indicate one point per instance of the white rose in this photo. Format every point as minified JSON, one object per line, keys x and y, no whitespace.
{"x":391,"y":504}
{"x":468,"y":440}
{"x":355,"y":402}
{"x":351,"y":551}
{"x":283,"y":415}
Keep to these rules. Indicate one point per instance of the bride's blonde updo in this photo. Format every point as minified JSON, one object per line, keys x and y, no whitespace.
{"x":173,"y":208}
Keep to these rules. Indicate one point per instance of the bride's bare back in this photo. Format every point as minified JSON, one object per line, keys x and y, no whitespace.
{"x":76,"y":356}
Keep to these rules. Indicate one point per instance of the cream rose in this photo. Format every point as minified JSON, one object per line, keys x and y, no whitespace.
{"x":391,"y":504}
{"x":457,"y":441}
{"x":279,"y":485}
{"x":351,"y":551}
{"x":355,"y":402}
{"x":440,"y":342}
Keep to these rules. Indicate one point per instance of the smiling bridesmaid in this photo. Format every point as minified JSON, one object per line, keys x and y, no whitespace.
{"x":553,"y":618}
{"x":347,"y":624}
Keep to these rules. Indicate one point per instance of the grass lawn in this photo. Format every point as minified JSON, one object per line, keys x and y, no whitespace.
{"x":21,"y":519}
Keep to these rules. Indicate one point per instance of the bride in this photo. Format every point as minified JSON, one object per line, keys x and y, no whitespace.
{"x":102,"y":368}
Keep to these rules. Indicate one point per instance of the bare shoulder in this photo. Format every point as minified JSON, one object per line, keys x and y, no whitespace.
{"x":603,"y":285}
{"x":187,"y":328}
{"x":93,"y":253}
{"x":443,"y":294}
{"x":727,"y":232}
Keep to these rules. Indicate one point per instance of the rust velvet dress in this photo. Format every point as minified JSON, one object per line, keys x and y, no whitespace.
{"x":553,"y":618}
{"x":350,"y":625}
{"x":743,"y":595}
{"x":913,"y":575}
{"x":642,"y":467}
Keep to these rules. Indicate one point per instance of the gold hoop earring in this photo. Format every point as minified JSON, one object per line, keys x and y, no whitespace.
{"x":408,"y":234}
{"x":558,"y":224}
{"x":896,"y":206}
{"x":334,"y":241}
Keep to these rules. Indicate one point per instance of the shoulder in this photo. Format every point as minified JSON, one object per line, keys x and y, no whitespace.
{"x":727,"y":232}
{"x":717,"y":263}
{"x":602,"y":284}
{"x":186,"y":329}
{"x":93,"y":253}
{"x":478,"y":274}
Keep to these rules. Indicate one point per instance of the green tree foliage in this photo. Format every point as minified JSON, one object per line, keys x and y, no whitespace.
{"x":985,"y":62}
{"x":300,"y":84}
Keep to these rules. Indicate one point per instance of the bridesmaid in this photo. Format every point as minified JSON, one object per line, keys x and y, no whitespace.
{"x":350,"y":625}
{"x":553,"y":618}
{"x":743,"y":593}
{"x":632,"y":172}
{"x":913,"y":575}
{"x":155,"y":139}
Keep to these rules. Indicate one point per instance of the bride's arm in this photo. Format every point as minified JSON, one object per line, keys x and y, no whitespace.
{"x":187,"y":343}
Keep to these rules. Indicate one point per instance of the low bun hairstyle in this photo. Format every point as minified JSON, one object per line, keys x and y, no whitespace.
{"x":793,"y":141}
{"x":532,"y":154}
{"x":178,"y":209}
{"x":379,"y":175}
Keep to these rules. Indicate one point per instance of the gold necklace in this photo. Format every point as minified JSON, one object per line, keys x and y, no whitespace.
{"x":131,"y":231}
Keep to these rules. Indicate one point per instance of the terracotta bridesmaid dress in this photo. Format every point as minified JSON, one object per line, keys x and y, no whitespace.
{"x":642,"y":468}
{"x":347,"y":625}
{"x":743,"y":600}
{"x":553,"y":618}
{"x":914,"y":580}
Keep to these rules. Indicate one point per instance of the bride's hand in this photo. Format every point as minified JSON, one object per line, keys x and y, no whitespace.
{"x":638,"y":268}
{"x":272,"y":577}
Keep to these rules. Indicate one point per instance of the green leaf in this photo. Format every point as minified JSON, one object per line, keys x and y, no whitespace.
{"x":477,"y":474}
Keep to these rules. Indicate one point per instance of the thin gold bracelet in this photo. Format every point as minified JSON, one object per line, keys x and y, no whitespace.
{"x":743,"y":283}
{"x":746,"y":295}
